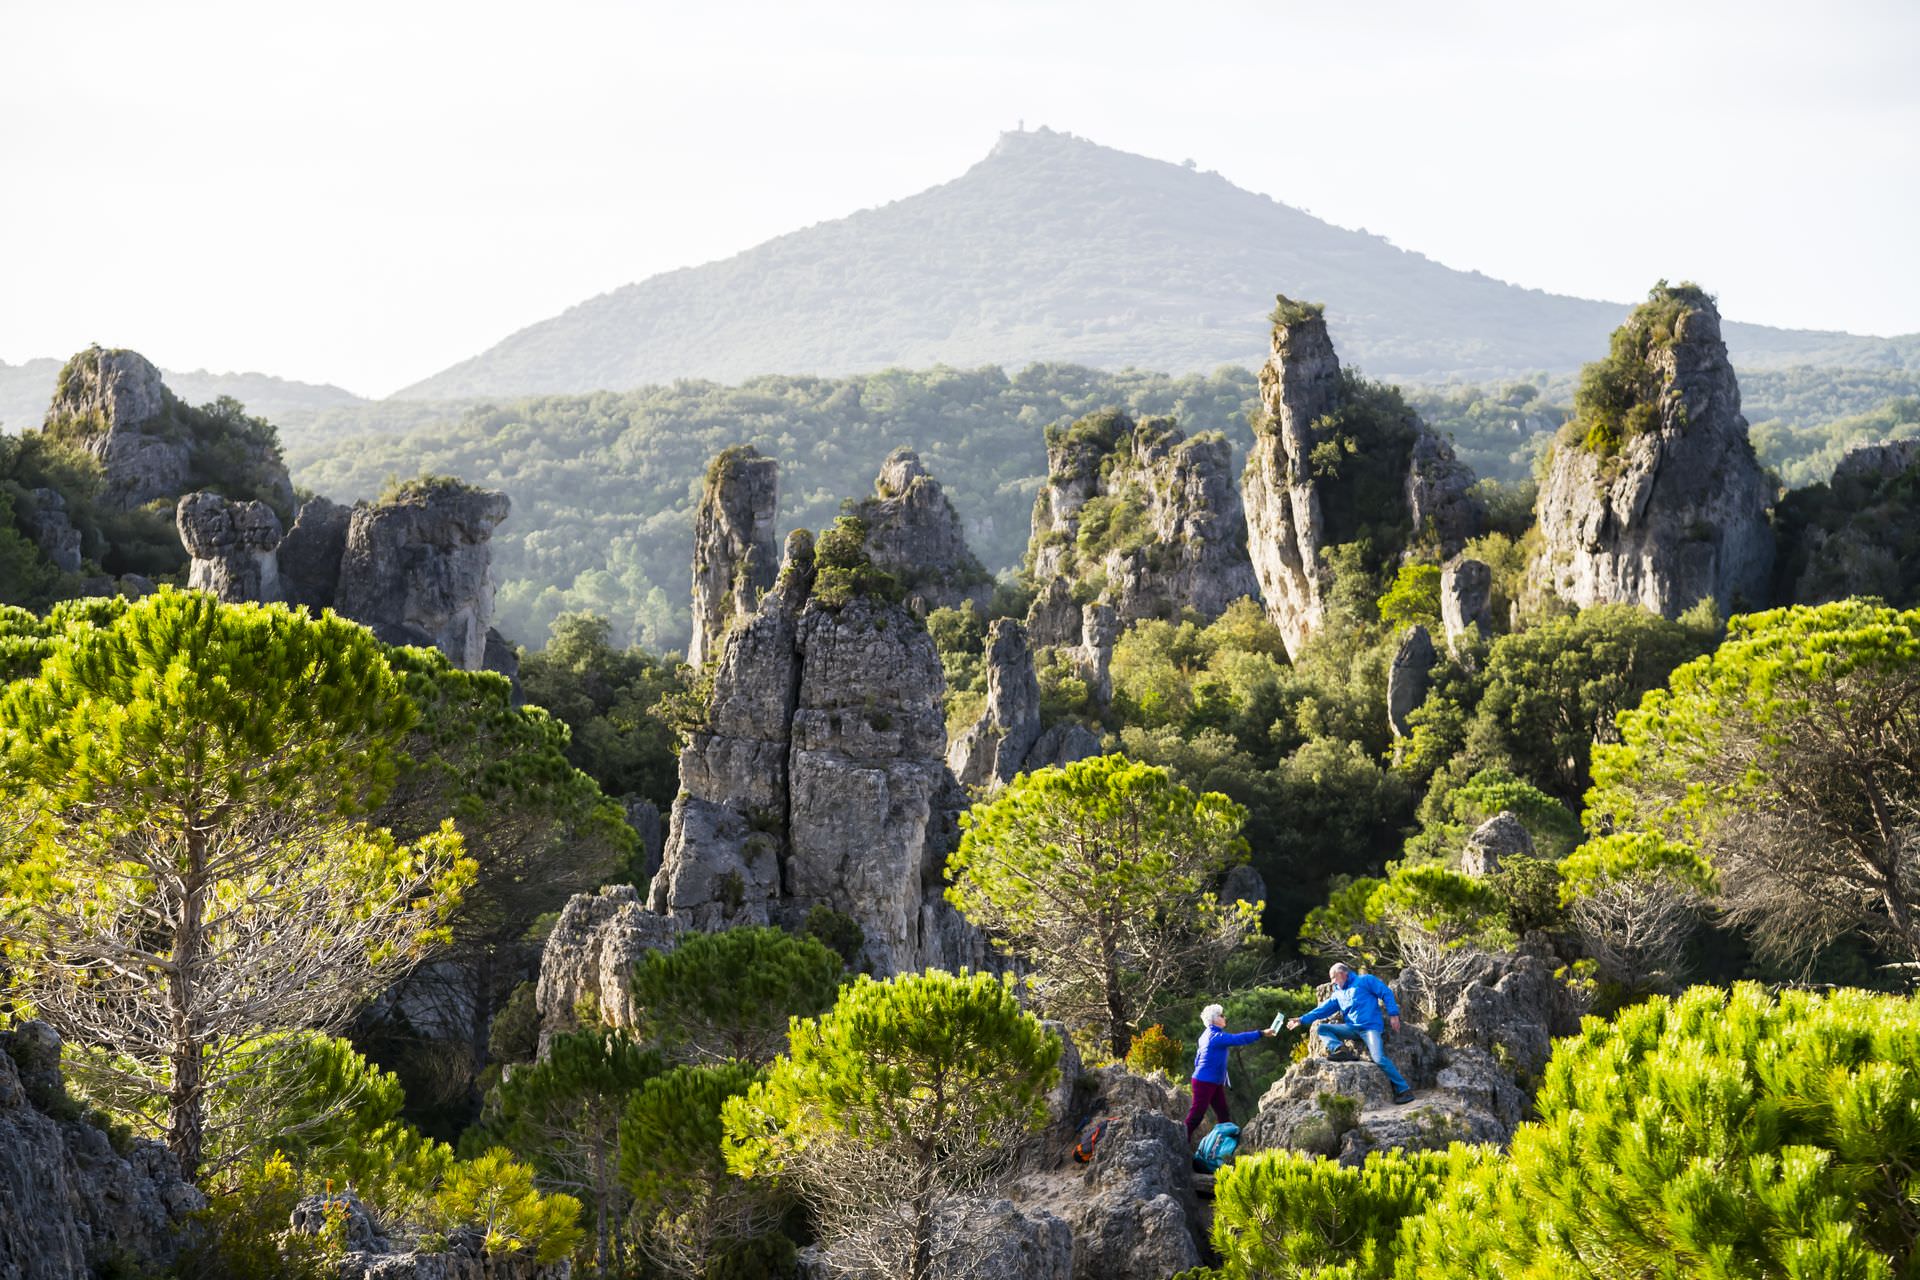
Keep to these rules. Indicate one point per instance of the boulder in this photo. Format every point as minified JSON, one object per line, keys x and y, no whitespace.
{"x":233,"y":545}
{"x":1680,"y":511}
{"x":1513,"y":1011}
{"x":1466,"y":600}
{"x":465,"y":1257}
{"x":1243,"y":884}
{"x":315,"y":1214}
{"x":590,"y":954}
{"x":985,"y":1239}
{"x":1870,"y":463}
{"x":1062,"y":744}
{"x":1138,"y":1218}
{"x":914,"y":533}
{"x":1500,"y":837}
{"x":1409,"y":679}
{"x":417,"y":568}
{"x":734,"y":562}
{"x":995,"y":747}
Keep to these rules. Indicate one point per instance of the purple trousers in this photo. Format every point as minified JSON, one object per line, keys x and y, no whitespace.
{"x":1206,"y":1093}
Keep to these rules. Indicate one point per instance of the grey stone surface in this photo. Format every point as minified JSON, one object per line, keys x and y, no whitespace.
{"x":1881,"y":460}
{"x":309,"y":556}
{"x":734,"y":562}
{"x":48,"y":521}
{"x":1439,"y":506}
{"x":418,"y":569}
{"x":986,"y":1239}
{"x":643,"y":815}
{"x":1466,"y":600}
{"x":914,"y":533}
{"x":1680,"y":513}
{"x":1409,"y":678}
{"x":995,"y":748}
{"x":1053,"y":619}
{"x":233,"y":545}
{"x":1500,"y":837}
{"x":1062,"y":744}
{"x":1139,"y":1218}
{"x":590,"y":954}
{"x":71,"y":1204}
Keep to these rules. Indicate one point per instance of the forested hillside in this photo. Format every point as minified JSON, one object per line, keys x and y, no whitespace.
{"x":1053,"y":248}
{"x":604,"y":485}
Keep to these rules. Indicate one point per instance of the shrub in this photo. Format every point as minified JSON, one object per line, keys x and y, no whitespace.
{"x":1154,"y":1050}
{"x":495,"y":1193}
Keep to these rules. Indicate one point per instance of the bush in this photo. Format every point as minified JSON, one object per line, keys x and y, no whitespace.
{"x":1154,"y":1050}
{"x":495,"y":1193}
{"x":1717,"y":1133}
{"x":727,"y":995}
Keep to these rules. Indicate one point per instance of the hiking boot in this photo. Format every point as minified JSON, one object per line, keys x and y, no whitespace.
{"x":1343,"y":1053}
{"x":1403,"y":1097}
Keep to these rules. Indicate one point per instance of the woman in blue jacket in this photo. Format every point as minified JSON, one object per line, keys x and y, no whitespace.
{"x":1210,"y":1065}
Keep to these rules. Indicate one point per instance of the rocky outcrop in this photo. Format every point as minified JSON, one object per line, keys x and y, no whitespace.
{"x":149,"y":445}
{"x":417,"y":568}
{"x":308,"y":558}
{"x":643,"y":815}
{"x":1858,"y":534}
{"x":914,"y":533}
{"x":1409,"y":679}
{"x":1466,"y":601}
{"x":1054,"y":617}
{"x":985,"y":1239}
{"x":233,"y":545}
{"x":1374,"y":456}
{"x":819,"y":779}
{"x":1142,"y":517}
{"x":73,"y":1205}
{"x":733,"y":544}
{"x":590,"y":954}
{"x":1499,"y":838}
{"x":1663,"y":504}
{"x":994,"y":749}
{"x":52,"y":530}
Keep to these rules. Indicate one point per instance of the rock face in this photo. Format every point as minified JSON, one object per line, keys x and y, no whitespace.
{"x":995,"y":747}
{"x":1297,"y":506}
{"x":980,"y":1239}
{"x":1500,"y":837}
{"x":309,"y":556}
{"x":1857,"y":535}
{"x":734,"y":561}
{"x":150,"y":447}
{"x":52,"y":529}
{"x":819,"y":778}
{"x":1409,"y":679}
{"x":417,"y":568}
{"x":1466,"y":600}
{"x":1142,"y":517}
{"x":590,"y":954}
{"x":914,"y":533}
{"x":233,"y":545}
{"x":1679,"y":513}
{"x":72,"y":1206}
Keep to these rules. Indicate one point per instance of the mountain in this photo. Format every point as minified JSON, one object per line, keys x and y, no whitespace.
{"x":26,"y":389}
{"x":1056,"y":249}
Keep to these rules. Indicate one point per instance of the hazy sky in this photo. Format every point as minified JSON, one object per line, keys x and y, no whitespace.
{"x":366,"y":193}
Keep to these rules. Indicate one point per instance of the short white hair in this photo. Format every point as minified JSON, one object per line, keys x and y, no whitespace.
{"x":1339,"y":969}
{"x":1208,"y":1014}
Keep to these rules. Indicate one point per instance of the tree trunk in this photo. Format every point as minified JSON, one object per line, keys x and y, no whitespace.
{"x":1118,"y":1016}
{"x":186,"y":1118}
{"x":602,"y":1252}
{"x":923,"y":1222}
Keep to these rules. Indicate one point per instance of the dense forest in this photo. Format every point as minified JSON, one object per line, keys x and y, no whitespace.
{"x":604,"y":485}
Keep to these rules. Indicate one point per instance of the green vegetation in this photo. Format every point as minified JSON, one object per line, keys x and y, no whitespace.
{"x":1624,"y":395}
{"x":610,"y":700}
{"x":728,"y":995}
{"x":1858,"y":535}
{"x":904,"y":1090}
{"x":842,"y":572}
{"x":189,"y":784}
{"x":1101,"y":875}
{"x":1288,"y":312}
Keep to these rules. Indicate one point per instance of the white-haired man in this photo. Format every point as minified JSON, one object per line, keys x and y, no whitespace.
{"x":1359,"y":998}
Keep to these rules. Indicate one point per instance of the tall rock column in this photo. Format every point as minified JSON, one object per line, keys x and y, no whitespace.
{"x":233,"y":545}
{"x":417,"y":568}
{"x":734,"y":562}
{"x":995,"y":747}
{"x":914,"y":533}
{"x":1653,"y":496}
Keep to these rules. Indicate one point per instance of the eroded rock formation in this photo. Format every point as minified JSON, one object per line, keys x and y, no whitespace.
{"x":1141,"y":517}
{"x":150,"y":446}
{"x":1333,"y":456}
{"x":734,"y":561}
{"x":995,"y":747}
{"x":1466,"y":600}
{"x":233,"y":546}
{"x":590,"y":954}
{"x":72,"y":1206}
{"x":1856,"y":535}
{"x":914,"y":533}
{"x":1409,"y":679}
{"x":1500,"y":837}
{"x":1658,"y":499}
{"x":819,"y":778}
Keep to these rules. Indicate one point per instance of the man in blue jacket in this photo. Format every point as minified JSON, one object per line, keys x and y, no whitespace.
{"x":1210,"y":1065}
{"x":1359,"y":997}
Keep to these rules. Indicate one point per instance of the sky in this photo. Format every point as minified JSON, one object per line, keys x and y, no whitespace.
{"x":365,"y":193}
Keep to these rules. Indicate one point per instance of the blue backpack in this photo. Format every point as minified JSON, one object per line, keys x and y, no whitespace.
{"x":1217,"y":1148}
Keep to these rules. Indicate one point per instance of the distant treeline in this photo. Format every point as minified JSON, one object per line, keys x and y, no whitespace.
{"x":604,"y":485}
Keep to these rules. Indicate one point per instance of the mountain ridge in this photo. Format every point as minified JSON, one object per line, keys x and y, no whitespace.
{"x":1054,"y":248}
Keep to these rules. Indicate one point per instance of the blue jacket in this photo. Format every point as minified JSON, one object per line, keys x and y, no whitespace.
{"x":1210,"y":1058}
{"x":1360,"y":1000}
